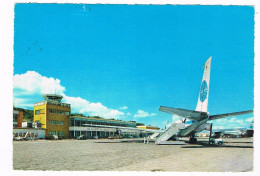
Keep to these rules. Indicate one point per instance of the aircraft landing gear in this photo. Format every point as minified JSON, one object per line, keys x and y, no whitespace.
{"x":193,"y":140}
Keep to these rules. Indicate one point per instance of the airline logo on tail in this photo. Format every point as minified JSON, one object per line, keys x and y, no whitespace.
{"x":203,"y":91}
{"x":202,"y":104}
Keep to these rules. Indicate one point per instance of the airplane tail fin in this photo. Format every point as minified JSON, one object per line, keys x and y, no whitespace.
{"x":202,"y":104}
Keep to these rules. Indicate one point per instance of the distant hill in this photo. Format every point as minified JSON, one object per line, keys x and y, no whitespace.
{"x":139,"y":124}
{"x":27,"y":114}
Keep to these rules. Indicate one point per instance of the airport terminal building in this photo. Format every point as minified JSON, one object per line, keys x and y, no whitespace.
{"x":97,"y":127}
{"x":55,"y":118}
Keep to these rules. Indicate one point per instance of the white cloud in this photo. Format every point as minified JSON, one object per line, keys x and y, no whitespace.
{"x":249,"y":119}
{"x":123,"y":107}
{"x":232,"y":119}
{"x":233,"y":122}
{"x":20,"y":102}
{"x":241,"y":122}
{"x":93,"y":109}
{"x":176,"y":118}
{"x":32,"y":83}
{"x":221,"y":121}
{"x":141,"y":113}
{"x":217,"y":127}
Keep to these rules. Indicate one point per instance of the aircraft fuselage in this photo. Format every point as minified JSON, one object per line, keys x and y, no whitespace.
{"x":192,"y":129}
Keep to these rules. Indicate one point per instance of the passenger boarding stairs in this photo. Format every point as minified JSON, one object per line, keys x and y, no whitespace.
{"x":154,"y":135}
{"x":169,"y":132}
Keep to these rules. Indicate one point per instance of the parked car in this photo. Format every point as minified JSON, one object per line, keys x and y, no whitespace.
{"x":110,"y":137}
{"x":217,"y":141}
{"x":81,"y":137}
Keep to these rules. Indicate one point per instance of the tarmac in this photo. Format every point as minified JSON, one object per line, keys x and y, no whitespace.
{"x":235,"y":155}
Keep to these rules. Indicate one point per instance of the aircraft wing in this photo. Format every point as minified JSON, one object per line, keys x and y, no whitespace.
{"x":189,"y":114}
{"x":214,"y":117}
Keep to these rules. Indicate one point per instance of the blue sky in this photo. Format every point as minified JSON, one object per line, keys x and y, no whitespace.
{"x":124,"y":61}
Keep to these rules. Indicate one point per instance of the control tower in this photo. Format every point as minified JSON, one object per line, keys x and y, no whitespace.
{"x":53,"y":115}
{"x":52,"y":97}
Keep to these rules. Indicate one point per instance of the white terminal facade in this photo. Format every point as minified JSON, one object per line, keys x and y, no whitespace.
{"x":97,"y":127}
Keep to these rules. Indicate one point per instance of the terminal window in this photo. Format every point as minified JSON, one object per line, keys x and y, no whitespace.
{"x":52,"y":133}
{"x":60,"y":112}
{"x":60,"y":122}
{"x":40,"y":111}
{"x":52,"y":122}
{"x":53,"y":111}
{"x":15,"y":116}
{"x":60,"y":133}
{"x":71,"y":122}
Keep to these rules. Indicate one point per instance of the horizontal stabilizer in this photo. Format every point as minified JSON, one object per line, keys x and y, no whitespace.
{"x":214,"y":117}
{"x":189,"y":114}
